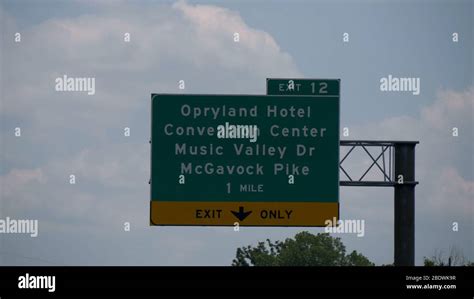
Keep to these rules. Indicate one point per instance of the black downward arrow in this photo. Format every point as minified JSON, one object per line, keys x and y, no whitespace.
{"x":241,"y":215}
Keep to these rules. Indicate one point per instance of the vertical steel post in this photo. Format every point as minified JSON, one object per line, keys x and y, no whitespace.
{"x":404,"y":204}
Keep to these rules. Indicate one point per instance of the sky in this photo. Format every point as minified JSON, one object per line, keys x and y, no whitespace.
{"x":73,"y":133}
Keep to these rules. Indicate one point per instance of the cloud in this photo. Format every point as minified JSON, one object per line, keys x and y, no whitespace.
{"x":17,"y":179}
{"x":455,"y":193}
{"x":217,"y":26}
{"x":168,"y":43}
{"x":72,"y":133}
{"x":450,"y":109}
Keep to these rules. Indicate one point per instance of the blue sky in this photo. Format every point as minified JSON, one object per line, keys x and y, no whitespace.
{"x":170,"y":41}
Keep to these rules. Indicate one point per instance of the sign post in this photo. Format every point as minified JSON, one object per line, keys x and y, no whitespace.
{"x":222,"y":160}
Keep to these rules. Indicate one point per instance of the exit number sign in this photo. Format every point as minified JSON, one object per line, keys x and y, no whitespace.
{"x":309,"y":87}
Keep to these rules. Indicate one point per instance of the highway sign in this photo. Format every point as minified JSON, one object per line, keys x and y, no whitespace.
{"x":253,"y":160}
{"x":309,"y":87}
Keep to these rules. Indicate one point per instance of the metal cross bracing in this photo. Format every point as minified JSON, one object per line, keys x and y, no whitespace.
{"x":383,"y":161}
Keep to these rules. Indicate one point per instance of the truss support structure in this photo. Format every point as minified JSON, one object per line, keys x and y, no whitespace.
{"x":396,"y":166}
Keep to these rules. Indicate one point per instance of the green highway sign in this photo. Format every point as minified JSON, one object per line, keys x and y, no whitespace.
{"x":301,"y":87}
{"x":248,"y":159}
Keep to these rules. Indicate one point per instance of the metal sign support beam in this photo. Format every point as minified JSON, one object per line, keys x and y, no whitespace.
{"x":405,"y":205}
{"x":400,"y":154}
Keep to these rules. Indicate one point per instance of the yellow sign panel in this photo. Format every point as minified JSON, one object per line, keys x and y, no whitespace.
{"x":244,"y":213}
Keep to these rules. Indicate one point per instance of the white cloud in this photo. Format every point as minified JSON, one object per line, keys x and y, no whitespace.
{"x":168,"y":43}
{"x":217,"y":25}
{"x":68,"y":133}
{"x":451,"y":109}
{"x":455,"y":194}
{"x":83,"y":135}
{"x":17,"y":179}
